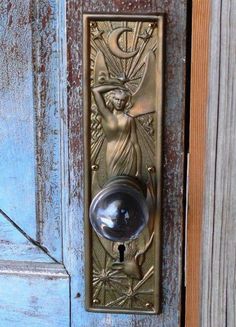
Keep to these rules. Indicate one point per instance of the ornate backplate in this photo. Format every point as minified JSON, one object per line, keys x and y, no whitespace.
{"x":123,"y":59}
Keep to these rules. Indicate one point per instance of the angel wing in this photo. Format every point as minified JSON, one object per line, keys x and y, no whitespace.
{"x":146,"y":139}
{"x":101,"y":72}
{"x":145,"y":98}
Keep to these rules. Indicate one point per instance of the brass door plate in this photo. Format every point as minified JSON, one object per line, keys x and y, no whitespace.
{"x":123,"y":86}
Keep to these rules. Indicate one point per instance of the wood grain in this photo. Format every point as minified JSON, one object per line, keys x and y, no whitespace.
{"x":173,"y":157}
{"x":35,"y":290}
{"x":31,"y":117}
{"x":197,"y":148}
{"x":17,"y":164}
{"x":218,"y":305}
{"x":47,"y":35}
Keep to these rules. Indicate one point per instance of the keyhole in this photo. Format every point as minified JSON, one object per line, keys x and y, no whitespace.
{"x":121,"y":249}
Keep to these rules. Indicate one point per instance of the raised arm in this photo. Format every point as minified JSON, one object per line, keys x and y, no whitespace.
{"x":99,"y":99}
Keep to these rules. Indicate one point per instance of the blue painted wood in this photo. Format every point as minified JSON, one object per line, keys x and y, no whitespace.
{"x":35,"y":291}
{"x":15,"y":244}
{"x":47,"y":36}
{"x":33,"y":295}
{"x":17,"y":164}
{"x":30,"y":118}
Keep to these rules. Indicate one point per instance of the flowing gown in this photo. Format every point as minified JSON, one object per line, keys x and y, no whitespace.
{"x":121,"y":158}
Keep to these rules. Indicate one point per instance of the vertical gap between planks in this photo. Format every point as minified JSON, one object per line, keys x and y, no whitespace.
{"x":198,"y":106}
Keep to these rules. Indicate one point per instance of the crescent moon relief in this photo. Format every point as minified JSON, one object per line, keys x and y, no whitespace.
{"x":113,"y":43}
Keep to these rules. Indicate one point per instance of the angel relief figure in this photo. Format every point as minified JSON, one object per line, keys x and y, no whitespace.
{"x":123,"y":154}
{"x":124,"y":103}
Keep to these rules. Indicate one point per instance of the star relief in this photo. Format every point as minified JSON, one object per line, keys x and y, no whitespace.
{"x":97,"y":34}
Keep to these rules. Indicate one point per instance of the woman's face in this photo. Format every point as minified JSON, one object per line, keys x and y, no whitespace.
{"x":119,"y":100}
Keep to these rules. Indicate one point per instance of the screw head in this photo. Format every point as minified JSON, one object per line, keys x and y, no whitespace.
{"x":95,"y":167}
{"x":153,"y":25}
{"x":151,"y":169}
{"x":93,"y":24}
{"x":149,"y":305}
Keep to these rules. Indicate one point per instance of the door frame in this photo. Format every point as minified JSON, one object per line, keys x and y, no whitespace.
{"x":201,"y":19}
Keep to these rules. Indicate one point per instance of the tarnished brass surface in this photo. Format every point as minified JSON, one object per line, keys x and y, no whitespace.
{"x":123,"y":59}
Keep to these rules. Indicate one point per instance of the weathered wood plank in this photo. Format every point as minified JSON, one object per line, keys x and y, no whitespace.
{"x":34,"y":295}
{"x":48,"y":25}
{"x":219,"y":247}
{"x":172,"y":162}
{"x":198,"y":110}
{"x":35,"y":292}
{"x":17,"y":164}
{"x":31,"y":117}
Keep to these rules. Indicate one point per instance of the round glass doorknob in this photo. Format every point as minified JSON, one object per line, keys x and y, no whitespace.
{"x":119,"y":212}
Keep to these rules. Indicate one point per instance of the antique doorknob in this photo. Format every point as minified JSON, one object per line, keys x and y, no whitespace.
{"x":119,"y":212}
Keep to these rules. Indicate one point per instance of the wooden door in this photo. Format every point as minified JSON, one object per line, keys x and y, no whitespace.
{"x":42,"y":278}
{"x":34,"y":283}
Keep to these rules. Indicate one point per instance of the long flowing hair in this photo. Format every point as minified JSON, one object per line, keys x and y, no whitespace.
{"x":109,"y":95}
